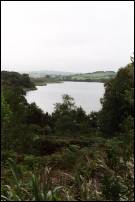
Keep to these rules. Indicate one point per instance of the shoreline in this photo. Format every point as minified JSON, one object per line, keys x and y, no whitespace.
{"x":45,"y":84}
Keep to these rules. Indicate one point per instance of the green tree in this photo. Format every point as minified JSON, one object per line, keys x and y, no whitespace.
{"x":70,"y":119}
{"x":118,"y":101}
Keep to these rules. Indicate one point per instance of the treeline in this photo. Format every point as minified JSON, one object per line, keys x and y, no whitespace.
{"x":101,"y":80}
{"x":46,"y":79}
{"x":67,"y":119}
{"x":96,"y":148}
{"x":24,"y":123}
{"x":99,"y":76}
{"x":16,"y":80}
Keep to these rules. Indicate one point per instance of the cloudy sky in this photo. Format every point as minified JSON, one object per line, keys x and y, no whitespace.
{"x":73,"y":36}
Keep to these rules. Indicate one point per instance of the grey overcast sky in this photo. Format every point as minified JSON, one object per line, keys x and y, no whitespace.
{"x":73,"y":36}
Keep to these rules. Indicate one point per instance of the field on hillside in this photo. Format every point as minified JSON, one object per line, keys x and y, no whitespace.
{"x":99,"y":76}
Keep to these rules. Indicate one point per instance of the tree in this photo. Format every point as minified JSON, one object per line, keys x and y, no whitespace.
{"x":69,"y":119}
{"x":118,"y":101}
{"x":67,"y":105}
{"x":62,"y":116}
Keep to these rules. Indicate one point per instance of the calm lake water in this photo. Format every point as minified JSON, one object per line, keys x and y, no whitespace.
{"x":86,"y":94}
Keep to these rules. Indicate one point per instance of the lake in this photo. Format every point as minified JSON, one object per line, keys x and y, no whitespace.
{"x":85,"y":94}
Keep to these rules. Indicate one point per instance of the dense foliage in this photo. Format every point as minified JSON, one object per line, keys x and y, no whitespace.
{"x":118,"y":101}
{"x":67,"y":155}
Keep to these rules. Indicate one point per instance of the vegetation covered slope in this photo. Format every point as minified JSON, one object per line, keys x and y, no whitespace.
{"x":42,"y":81}
{"x":16,"y":80}
{"x":68,"y":155}
{"x":43,"y":73}
{"x":99,"y":76}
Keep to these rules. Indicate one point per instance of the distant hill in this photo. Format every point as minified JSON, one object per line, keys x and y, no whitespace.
{"x":73,"y":76}
{"x":100,"y":76}
{"x":39,"y":74}
{"x":42,"y":78}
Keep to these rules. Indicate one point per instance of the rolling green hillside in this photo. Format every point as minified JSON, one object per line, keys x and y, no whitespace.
{"x":99,"y":76}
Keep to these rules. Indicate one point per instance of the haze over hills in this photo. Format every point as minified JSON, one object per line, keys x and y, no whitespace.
{"x":94,"y":75}
{"x":42,"y":73}
{"x":99,"y":76}
{"x":44,"y":77}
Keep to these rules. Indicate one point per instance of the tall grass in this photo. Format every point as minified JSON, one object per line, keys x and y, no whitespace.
{"x":92,"y":179}
{"x":39,"y":187}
